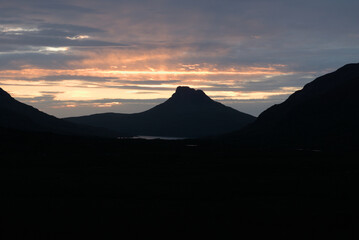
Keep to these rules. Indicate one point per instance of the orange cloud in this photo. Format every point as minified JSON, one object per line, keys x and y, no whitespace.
{"x":122,"y":67}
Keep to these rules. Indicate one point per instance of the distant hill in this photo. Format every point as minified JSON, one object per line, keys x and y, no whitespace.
{"x":188,"y":113}
{"x":324,"y":113}
{"x":19,"y":116}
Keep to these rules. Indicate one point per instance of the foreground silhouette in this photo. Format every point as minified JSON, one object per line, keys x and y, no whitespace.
{"x":19,"y":116}
{"x":61,"y":187}
{"x":188,"y":113}
{"x":325,"y":113}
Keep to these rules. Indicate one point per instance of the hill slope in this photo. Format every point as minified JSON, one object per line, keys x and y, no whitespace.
{"x":19,"y":116}
{"x":324,"y":113}
{"x":188,"y":113}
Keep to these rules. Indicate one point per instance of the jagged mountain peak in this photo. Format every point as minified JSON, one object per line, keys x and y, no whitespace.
{"x":186,"y":94}
{"x":188,"y":113}
{"x":185,"y":90}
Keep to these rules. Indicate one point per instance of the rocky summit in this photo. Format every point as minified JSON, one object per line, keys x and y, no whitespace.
{"x":188,"y":113}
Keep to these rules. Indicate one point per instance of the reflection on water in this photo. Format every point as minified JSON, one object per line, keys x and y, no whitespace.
{"x":156,"y":137}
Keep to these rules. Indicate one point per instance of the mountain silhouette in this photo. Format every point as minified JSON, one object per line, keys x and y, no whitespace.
{"x":324,"y":113}
{"x":19,"y":116}
{"x":188,"y":113}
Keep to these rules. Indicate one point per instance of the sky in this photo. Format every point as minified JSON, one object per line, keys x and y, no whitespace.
{"x":79,"y":57}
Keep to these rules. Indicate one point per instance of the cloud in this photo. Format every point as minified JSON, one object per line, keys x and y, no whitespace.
{"x":53,"y":28}
{"x":21,"y":58}
{"x":273,"y":46}
{"x":51,"y":92}
{"x":67,"y":9}
{"x":51,"y":41}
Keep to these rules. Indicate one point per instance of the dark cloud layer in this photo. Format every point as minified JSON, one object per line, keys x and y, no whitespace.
{"x":302,"y":34}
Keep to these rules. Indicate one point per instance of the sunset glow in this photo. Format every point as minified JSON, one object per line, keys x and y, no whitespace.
{"x":77,"y":84}
{"x":128,"y":57}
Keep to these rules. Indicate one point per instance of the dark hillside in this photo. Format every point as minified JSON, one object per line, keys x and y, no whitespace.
{"x":325,"y":113}
{"x":19,"y":116}
{"x":188,"y":113}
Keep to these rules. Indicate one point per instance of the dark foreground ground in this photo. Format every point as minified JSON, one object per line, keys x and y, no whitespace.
{"x":63,"y":188}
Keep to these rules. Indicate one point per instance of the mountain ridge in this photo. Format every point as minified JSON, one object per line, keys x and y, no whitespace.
{"x":19,"y":116}
{"x":325,"y":112}
{"x":187,"y":113}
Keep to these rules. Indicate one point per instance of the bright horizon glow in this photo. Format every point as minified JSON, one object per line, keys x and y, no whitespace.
{"x":77,"y":85}
{"x":34,"y":72}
